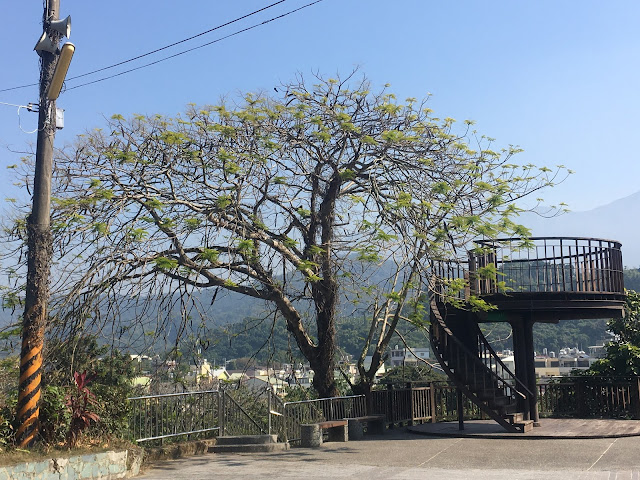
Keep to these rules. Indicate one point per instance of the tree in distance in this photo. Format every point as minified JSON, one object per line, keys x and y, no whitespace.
{"x":294,"y":199}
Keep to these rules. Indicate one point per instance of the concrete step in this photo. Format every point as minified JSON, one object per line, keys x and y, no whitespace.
{"x":247,"y":439}
{"x":250,"y":448}
{"x":524,"y":426}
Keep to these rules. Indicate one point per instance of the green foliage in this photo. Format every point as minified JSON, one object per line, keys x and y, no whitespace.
{"x":164,"y":263}
{"x":112,"y":373}
{"x":8,"y":400}
{"x":413,"y":373}
{"x":55,"y":416}
{"x":623,"y":353}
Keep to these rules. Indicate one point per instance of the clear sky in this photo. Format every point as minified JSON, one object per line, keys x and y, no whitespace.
{"x":558,"y":78}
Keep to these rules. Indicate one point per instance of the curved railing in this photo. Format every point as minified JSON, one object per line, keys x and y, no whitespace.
{"x":546,"y":264}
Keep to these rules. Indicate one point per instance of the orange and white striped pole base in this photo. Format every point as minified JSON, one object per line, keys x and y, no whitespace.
{"x":29,"y":389}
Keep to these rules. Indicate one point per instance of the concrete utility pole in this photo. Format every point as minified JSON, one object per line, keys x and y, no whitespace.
{"x":39,"y":248}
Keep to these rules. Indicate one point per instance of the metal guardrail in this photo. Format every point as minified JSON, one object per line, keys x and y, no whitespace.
{"x":312,"y":411}
{"x":548,"y":264}
{"x":568,"y":265}
{"x":156,"y":417}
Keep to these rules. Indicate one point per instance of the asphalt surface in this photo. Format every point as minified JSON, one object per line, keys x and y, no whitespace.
{"x":400,"y":454}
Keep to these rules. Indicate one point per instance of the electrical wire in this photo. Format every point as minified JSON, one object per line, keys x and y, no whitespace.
{"x":157,"y":49}
{"x":20,"y":122}
{"x":176,"y":43}
{"x":30,"y":107}
{"x":194,"y":48}
{"x":15,"y":105}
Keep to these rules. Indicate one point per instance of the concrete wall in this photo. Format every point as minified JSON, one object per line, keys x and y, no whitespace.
{"x":98,"y":466}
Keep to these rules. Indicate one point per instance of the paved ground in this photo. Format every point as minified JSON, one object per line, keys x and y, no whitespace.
{"x":400,"y":454}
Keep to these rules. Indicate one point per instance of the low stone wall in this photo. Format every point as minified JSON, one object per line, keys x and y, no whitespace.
{"x":102,"y":466}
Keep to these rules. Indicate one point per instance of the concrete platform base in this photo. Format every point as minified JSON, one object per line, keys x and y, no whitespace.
{"x":549,"y":428}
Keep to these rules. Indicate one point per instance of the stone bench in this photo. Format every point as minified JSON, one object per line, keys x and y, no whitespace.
{"x":311,"y":433}
{"x":374,"y":423}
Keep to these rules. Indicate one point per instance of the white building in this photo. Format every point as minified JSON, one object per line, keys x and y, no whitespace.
{"x":408,"y":356}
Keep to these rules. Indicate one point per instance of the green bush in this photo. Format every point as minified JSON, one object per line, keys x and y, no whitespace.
{"x":113,"y":373}
{"x":54,"y":414}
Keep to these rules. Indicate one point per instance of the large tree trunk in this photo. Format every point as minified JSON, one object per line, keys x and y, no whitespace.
{"x":323,"y":362}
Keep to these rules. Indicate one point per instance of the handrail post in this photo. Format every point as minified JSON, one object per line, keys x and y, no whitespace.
{"x":432,"y":401}
{"x":635,"y":398}
{"x":269,"y":406}
{"x":221,"y":413}
{"x":460,"y":409}
{"x":409,"y":389}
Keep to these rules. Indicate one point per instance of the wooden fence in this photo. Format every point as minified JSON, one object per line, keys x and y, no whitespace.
{"x":408,"y":404}
{"x":576,"y":397}
{"x":590,"y":397}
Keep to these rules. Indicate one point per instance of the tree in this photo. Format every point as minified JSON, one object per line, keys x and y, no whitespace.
{"x":292,"y":199}
{"x":623,"y":353}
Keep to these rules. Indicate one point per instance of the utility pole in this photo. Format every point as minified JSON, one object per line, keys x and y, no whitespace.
{"x":39,"y":242}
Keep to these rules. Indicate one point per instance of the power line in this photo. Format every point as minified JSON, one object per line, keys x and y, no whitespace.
{"x":157,"y":49}
{"x":191,"y":49}
{"x":178,"y":42}
{"x":15,"y":105}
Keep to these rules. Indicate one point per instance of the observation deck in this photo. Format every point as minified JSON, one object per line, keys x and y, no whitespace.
{"x":552,"y":278}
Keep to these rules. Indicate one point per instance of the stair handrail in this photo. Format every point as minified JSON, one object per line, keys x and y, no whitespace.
{"x":475,"y":358}
{"x":495,"y":356}
{"x":244,"y":412}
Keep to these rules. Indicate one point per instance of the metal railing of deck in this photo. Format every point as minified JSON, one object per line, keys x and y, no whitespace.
{"x":576,"y":265}
{"x":548,"y":264}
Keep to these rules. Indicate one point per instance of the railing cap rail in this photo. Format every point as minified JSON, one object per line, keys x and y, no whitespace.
{"x":326,"y":398}
{"x":177,"y":394}
{"x":489,"y":242}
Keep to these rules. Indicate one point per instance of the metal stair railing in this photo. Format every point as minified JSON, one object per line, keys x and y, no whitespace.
{"x":235,"y":420}
{"x":490,"y":358}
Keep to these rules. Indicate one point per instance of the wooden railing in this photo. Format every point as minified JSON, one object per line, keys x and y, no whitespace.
{"x":585,"y":397}
{"x":572,"y":397}
{"x":403,"y":405}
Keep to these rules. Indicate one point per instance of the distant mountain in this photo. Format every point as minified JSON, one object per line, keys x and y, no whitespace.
{"x":614,"y":221}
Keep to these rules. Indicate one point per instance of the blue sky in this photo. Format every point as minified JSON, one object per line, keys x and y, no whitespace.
{"x":558,"y":78}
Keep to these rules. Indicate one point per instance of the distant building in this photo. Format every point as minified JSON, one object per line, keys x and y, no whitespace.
{"x":408,"y":356}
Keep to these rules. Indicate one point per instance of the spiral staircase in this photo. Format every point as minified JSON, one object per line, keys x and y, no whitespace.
{"x":473,"y":366}
{"x":543,"y":279}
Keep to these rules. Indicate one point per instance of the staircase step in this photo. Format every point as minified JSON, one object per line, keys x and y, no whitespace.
{"x":516,"y":417}
{"x":247,"y":440}
{"x":250,"y":448}
{"x":524,"y":426}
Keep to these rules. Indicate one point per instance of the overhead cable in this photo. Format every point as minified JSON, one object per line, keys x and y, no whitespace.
{"x":191,"y":49}
{"x":157,"y":49}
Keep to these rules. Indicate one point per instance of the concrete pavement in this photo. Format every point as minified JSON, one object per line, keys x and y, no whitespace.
{"x":402,"y":455}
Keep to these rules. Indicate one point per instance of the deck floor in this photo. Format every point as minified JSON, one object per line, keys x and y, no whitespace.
{"x":549,"y":428}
